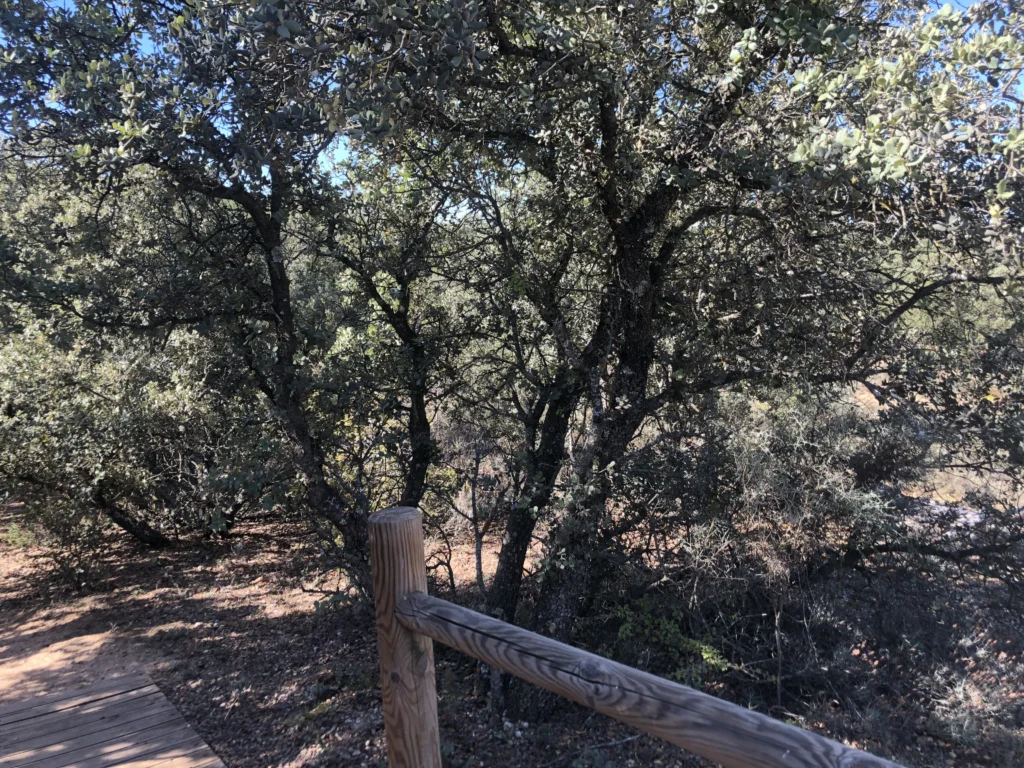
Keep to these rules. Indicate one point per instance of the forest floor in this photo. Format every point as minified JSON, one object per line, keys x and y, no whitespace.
{"x":230,"y":631}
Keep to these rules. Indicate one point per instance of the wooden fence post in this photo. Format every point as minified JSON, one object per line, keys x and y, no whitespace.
{"x":406,"y":657}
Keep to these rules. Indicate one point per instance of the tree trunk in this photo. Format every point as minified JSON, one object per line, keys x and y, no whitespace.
{"x":285,"y":391}
{"x":563,"y":592}
{"x":419,"y":430}
{"x":503,"y":596}
{"x":567,"y":588}
{"x":420,"y":439}
{"x":542,"y":472}
{"x":138,"y":529}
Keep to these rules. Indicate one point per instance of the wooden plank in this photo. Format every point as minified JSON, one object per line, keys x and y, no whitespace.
{"x":72,"y":739}
{"x":168,"y":746}
{"x":96,"y":712}
{"x":56,"y":702}
{"x":191,"y":762}
{"x":722,"y":732}
{"x":119,"y":747}
{"x":47,"y":698}
{"x":72,"y":728}
{"x":119,"y":721}
{"x":201,"y":757}
{"x":409,"y":696}
{"x":215,"y":762}
{"x":87,"y":708}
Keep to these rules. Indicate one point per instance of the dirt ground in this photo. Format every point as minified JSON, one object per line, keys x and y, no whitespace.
{"x":230,"y":632}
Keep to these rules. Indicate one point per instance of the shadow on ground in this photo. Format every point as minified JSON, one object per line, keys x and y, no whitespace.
{"x":230,"y":632}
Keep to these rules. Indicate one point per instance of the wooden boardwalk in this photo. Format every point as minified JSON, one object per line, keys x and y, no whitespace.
{"x":124,"y":721}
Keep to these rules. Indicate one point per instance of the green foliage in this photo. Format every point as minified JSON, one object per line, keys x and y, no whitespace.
{"x":95,"y":425}
{"x":72,"y":535}
{"x":600,"y":274}
{"x":20,"y":536}
{"x":686,"y":659}
{"x":335,"y":600}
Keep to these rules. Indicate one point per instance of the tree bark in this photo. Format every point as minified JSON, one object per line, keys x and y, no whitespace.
{"x":138,"y":529}
{"x":503,"y":596}
{"x":285,"y":391}
{"x":420,"y":438}
{"x":618,"y":412}
{"x":542,"y":473}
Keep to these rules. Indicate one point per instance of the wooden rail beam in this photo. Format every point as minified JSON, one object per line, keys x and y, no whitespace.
{"x":406,"y":657}
{"x":727,"y":734}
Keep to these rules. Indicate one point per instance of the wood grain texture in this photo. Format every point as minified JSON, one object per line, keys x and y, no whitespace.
{"x":62,"y":700}
{"x":96,"y":732}
{"x":406,"y":657}
{"x":198,"y":757}
{"x":118,"y":722}
{"x":86,"y":750}
{"x":52,"y":722}
{"x":158,"y":743}
{"x":722,"y":732}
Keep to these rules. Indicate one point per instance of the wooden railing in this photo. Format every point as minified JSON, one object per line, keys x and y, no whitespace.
{"x":407,"y":619}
